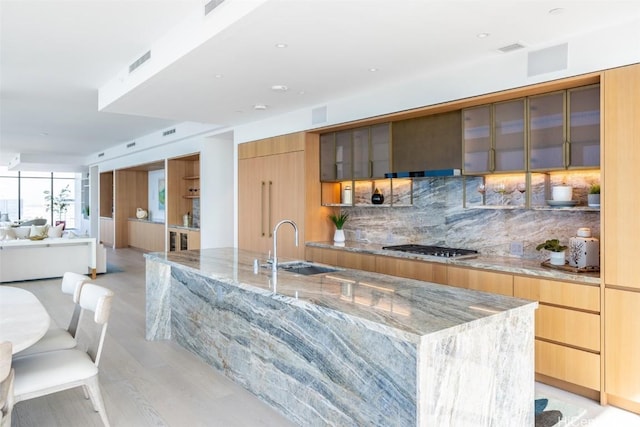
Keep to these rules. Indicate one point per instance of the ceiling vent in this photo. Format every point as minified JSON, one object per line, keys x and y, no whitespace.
{"x":138,"y":62}
{"x":101,"y":155}
{"x":131,"y":144}
{"x":511,"y":47}
{"x":169,"y":132}
{"x":211,"y":5}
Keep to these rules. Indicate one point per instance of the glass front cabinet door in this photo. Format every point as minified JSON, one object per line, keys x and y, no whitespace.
{"x":361,"y":153}
{"x":494,"y":137}
{"x":477,"y":138}
{"x":509,"y":136}
{"x":564,"y":129}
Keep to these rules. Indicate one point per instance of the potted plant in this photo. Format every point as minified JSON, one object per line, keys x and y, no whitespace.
{"x":593,"y":198}
{"x":338,"y":221}
{"x":556,"y":251}
{"x":59,"y":203}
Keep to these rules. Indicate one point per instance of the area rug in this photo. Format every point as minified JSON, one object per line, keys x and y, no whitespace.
{"x":548,"y":415}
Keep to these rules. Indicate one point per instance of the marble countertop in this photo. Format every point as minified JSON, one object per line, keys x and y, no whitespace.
{"x":499,"y":264}
{"x":410,"y":307}
{"x":150,"y":221}
{"x":182,"y":227}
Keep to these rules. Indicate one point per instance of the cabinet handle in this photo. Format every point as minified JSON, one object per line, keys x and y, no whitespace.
{"x":370,"y":168}
{"x":270,"y":203}
{"x":262,"y":208}
{"x":567,"y":154}
{"x":492,"y":159}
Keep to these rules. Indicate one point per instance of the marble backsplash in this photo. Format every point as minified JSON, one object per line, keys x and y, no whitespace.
{"x":438,"y":217}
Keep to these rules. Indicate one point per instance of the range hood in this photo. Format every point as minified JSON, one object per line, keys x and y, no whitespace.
{"x":424,"y":174}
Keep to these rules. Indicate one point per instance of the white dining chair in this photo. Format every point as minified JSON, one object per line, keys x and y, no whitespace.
{"x":45,"y":373}
{"x":57,"y":338}
{"x":6,"y":384}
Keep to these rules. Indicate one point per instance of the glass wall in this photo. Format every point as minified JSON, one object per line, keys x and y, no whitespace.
{"x":27,"y":195}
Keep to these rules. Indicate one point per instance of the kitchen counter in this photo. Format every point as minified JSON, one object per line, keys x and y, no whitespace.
{"x":150,"y":221}
{"x":348,"y":347}
{"x":500,"y":264}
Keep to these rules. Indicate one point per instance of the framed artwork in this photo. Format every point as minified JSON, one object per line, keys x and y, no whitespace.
{"x":161,"y":192}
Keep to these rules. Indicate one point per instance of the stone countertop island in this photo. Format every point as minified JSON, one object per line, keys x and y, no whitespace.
{"x":348,"y":348}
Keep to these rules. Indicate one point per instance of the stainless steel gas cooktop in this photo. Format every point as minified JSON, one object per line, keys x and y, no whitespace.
{"x":440,"y":251}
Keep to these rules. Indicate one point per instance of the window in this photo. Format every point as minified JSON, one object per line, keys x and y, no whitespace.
{"x":22,"y":196}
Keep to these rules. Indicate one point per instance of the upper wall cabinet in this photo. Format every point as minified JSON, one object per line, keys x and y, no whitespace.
{"x":564,"y":129}
{"x":494,"y":137}
{"x":361,"y":153}
{"x":427,"y":143}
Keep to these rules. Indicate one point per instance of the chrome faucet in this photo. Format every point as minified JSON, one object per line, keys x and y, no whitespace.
{"x":274,"y":261}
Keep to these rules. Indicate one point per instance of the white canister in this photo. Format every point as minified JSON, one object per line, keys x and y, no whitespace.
{"x":562,"y":193}
{"x":347,"y":195}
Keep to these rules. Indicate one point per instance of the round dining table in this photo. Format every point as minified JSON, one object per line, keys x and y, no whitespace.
{"x":23,"y":318}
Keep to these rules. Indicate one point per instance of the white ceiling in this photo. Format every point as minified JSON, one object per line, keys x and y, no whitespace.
{"x":55,"y":56}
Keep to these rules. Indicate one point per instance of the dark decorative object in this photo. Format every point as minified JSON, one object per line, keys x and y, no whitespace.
{"x":377,"y":198}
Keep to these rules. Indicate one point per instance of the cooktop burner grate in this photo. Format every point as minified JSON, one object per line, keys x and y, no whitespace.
{"x":441,"y":251}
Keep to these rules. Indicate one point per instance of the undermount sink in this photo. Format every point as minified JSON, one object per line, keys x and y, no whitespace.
{"x":304,"y":268}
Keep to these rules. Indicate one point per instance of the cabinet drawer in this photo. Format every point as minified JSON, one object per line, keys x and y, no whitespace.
{"x":357,"y":261}
{"x":568,"y":364}
{"x":573,"y":295}
{"x":419,"y":270}
{"x":487,"y":281}
{"x":567,"y":326}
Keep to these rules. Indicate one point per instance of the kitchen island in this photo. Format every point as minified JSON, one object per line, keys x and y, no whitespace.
{"x":348,"y":347}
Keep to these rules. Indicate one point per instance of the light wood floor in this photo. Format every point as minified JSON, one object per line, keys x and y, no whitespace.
{"x":144,"y":383}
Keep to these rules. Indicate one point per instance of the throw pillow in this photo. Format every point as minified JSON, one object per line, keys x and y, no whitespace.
{"x":55,"y":231}
{"x":7,"y":234}
{"x":22,"y":232}
{"x":38,"y":231}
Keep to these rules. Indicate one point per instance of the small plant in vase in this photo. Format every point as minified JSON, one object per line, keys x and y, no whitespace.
{"x":339,"y":221}
{"x":593,"y":198}
{"x":556,"y":251}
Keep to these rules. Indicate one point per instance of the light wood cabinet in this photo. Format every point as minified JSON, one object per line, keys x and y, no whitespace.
{"x":568,"y":338}
{"x":106,"y":232}
{"x":271,"y":189}
{"x":340,"y":258}
{"x":621,"y":174}
{"x":147,"y":236}
{"x":278,"y":179}
{"x":620,"y":201}
{"x":419,"y":270}
{"x":479,"y":280}
{"x":622,"y":361}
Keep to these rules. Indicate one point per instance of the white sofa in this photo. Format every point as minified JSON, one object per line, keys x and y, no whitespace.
{"x":24,"y":259}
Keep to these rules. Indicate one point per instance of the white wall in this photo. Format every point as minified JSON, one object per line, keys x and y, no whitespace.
{"x":218,"y":189}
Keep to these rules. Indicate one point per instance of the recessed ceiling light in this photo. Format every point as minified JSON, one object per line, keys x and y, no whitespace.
{"x":281,"y":45}
{"x":44,"y":134}
{"x":301,"y":92}
{"x":279,"y":88}
{"x":482,"y":35}
{"x":556,"y":11}
{"x":218,"y":76}
{"x":259,"y":107}
{"x":373,"y":69}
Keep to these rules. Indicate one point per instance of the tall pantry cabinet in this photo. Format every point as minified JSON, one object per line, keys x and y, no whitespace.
{"x":621,"y":232}
{"x":278,"y":179}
